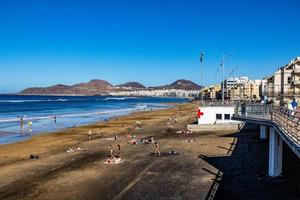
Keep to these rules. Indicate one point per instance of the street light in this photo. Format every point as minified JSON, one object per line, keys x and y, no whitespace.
{"x":223,"y":71}
{"x":201,"y":62}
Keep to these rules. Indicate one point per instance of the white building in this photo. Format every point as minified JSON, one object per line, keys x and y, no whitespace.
{"x":215,"y":114}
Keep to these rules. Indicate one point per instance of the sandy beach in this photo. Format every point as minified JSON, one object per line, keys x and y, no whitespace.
{"x":210,"y":165}
{"x":83,"y":175}
{"x":213,"y":165}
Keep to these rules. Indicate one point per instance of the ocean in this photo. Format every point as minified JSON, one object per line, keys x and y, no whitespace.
{"x":50,"y":113}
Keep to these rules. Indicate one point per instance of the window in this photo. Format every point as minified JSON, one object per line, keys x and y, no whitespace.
{"x":227,"y":116}
{"x":218,"y":116}
{"x":289,"y":80}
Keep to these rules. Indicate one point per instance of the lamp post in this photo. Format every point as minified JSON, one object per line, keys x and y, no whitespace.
{"x":202,"y":76}
{"x":223,"y":72}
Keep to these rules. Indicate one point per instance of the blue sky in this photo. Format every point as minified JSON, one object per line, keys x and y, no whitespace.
{"x":151,"y":41}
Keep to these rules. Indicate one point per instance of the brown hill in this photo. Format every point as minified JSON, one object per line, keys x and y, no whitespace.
{"x":181,"y":84}
{"x":101,"y":87}
{"x":92,"y":87}
{"x":132,"y":85}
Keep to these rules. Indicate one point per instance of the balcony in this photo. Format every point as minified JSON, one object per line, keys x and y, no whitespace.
{"x":296,"y":83}
{"x":296,"y":69}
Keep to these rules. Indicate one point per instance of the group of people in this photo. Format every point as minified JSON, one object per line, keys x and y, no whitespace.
{"x":29,"y":125}
{"x":112,"y":157}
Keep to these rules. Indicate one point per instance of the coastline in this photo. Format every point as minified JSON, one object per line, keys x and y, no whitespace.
{"x":104,"y":129}
{"x":67,"y":112}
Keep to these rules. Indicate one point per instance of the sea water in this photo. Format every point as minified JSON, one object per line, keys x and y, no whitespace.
{"x":69,"y":111}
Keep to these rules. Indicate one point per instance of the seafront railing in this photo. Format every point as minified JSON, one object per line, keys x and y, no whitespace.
{"x":254,"y":110}
{"x":286,"y":119}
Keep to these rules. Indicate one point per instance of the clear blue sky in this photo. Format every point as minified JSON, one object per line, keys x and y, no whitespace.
{"x":152,"y":41}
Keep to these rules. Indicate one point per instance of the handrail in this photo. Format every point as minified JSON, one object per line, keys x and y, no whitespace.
{"x":287,"y":119}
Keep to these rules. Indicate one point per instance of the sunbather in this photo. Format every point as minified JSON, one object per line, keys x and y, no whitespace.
{"x":157,"y":151}
{"x":118,"y":150}
{"x":111,"y":151}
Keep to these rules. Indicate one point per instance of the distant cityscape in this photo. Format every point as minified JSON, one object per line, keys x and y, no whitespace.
{"x":158,"y":93}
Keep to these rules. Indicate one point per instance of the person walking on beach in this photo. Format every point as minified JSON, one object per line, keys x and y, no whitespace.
{"x":116,"y":136}
{"x":30,"y":126}
{"x":21,"y":124}
{"x":90,"y":135}
{"x":111,"y":151}
{"x":157,"y":151}
{"x":119,"y":150}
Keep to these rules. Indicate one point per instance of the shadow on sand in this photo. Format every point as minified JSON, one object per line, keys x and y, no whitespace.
{"x":242,"y":173}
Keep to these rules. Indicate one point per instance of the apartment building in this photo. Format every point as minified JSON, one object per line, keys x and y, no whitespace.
{"x":284,"y":85}
{"x":246,"y":90}
{"x":212,"y":92}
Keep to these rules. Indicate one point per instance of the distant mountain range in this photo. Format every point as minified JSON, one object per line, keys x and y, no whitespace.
{"x":101,"y":87}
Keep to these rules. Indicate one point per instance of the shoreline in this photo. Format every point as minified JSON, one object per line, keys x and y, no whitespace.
{"x":29,"y":135}
{"x":93,"y":125}
{"x":10,"y":127}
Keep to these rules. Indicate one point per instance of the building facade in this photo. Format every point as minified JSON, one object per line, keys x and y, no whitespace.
{"x":284,"y":85}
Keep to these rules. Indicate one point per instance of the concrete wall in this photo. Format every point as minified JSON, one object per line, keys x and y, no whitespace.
{"x":214,"y":127}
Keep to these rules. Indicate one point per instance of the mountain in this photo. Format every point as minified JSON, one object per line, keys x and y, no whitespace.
{"x":102,"y":87}
{"x":92,"y":87}
{"x":132,"y":85}
{"x":55,"y":89}
{"x":181,"y":84}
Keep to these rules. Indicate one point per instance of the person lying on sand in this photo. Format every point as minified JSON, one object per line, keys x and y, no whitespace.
{"x":113,"y":160}
{"x":173,"y":153}
{"x":157,"y":151}
{"x":75,"y":149}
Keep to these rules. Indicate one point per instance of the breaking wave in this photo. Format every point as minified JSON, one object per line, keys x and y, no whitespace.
{"x":31,"y":100}
{"x":17,"y":119}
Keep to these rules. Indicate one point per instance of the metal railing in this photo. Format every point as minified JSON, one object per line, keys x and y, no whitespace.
{"x":254,"y":110}
{"x":288,"y":120}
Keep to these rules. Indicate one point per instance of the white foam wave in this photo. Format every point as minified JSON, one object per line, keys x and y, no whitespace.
{"x":31,"y":100}
{"x":119,"y":98}
{"x":17,"y":119}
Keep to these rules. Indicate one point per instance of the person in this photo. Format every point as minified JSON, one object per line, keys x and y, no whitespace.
{"x":157,"y":151}
{"x":54,"y":119}
{"x":243,"y":107}
{"x":116,"y":136}
{"x":111,"y":151}
{"x":90,"y":135}
{"x":21,"y":124}
{"x":118,"y":150}
{"x":294,"y":104}
{"x":30,"y":126}
{"x":151,"y":140}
